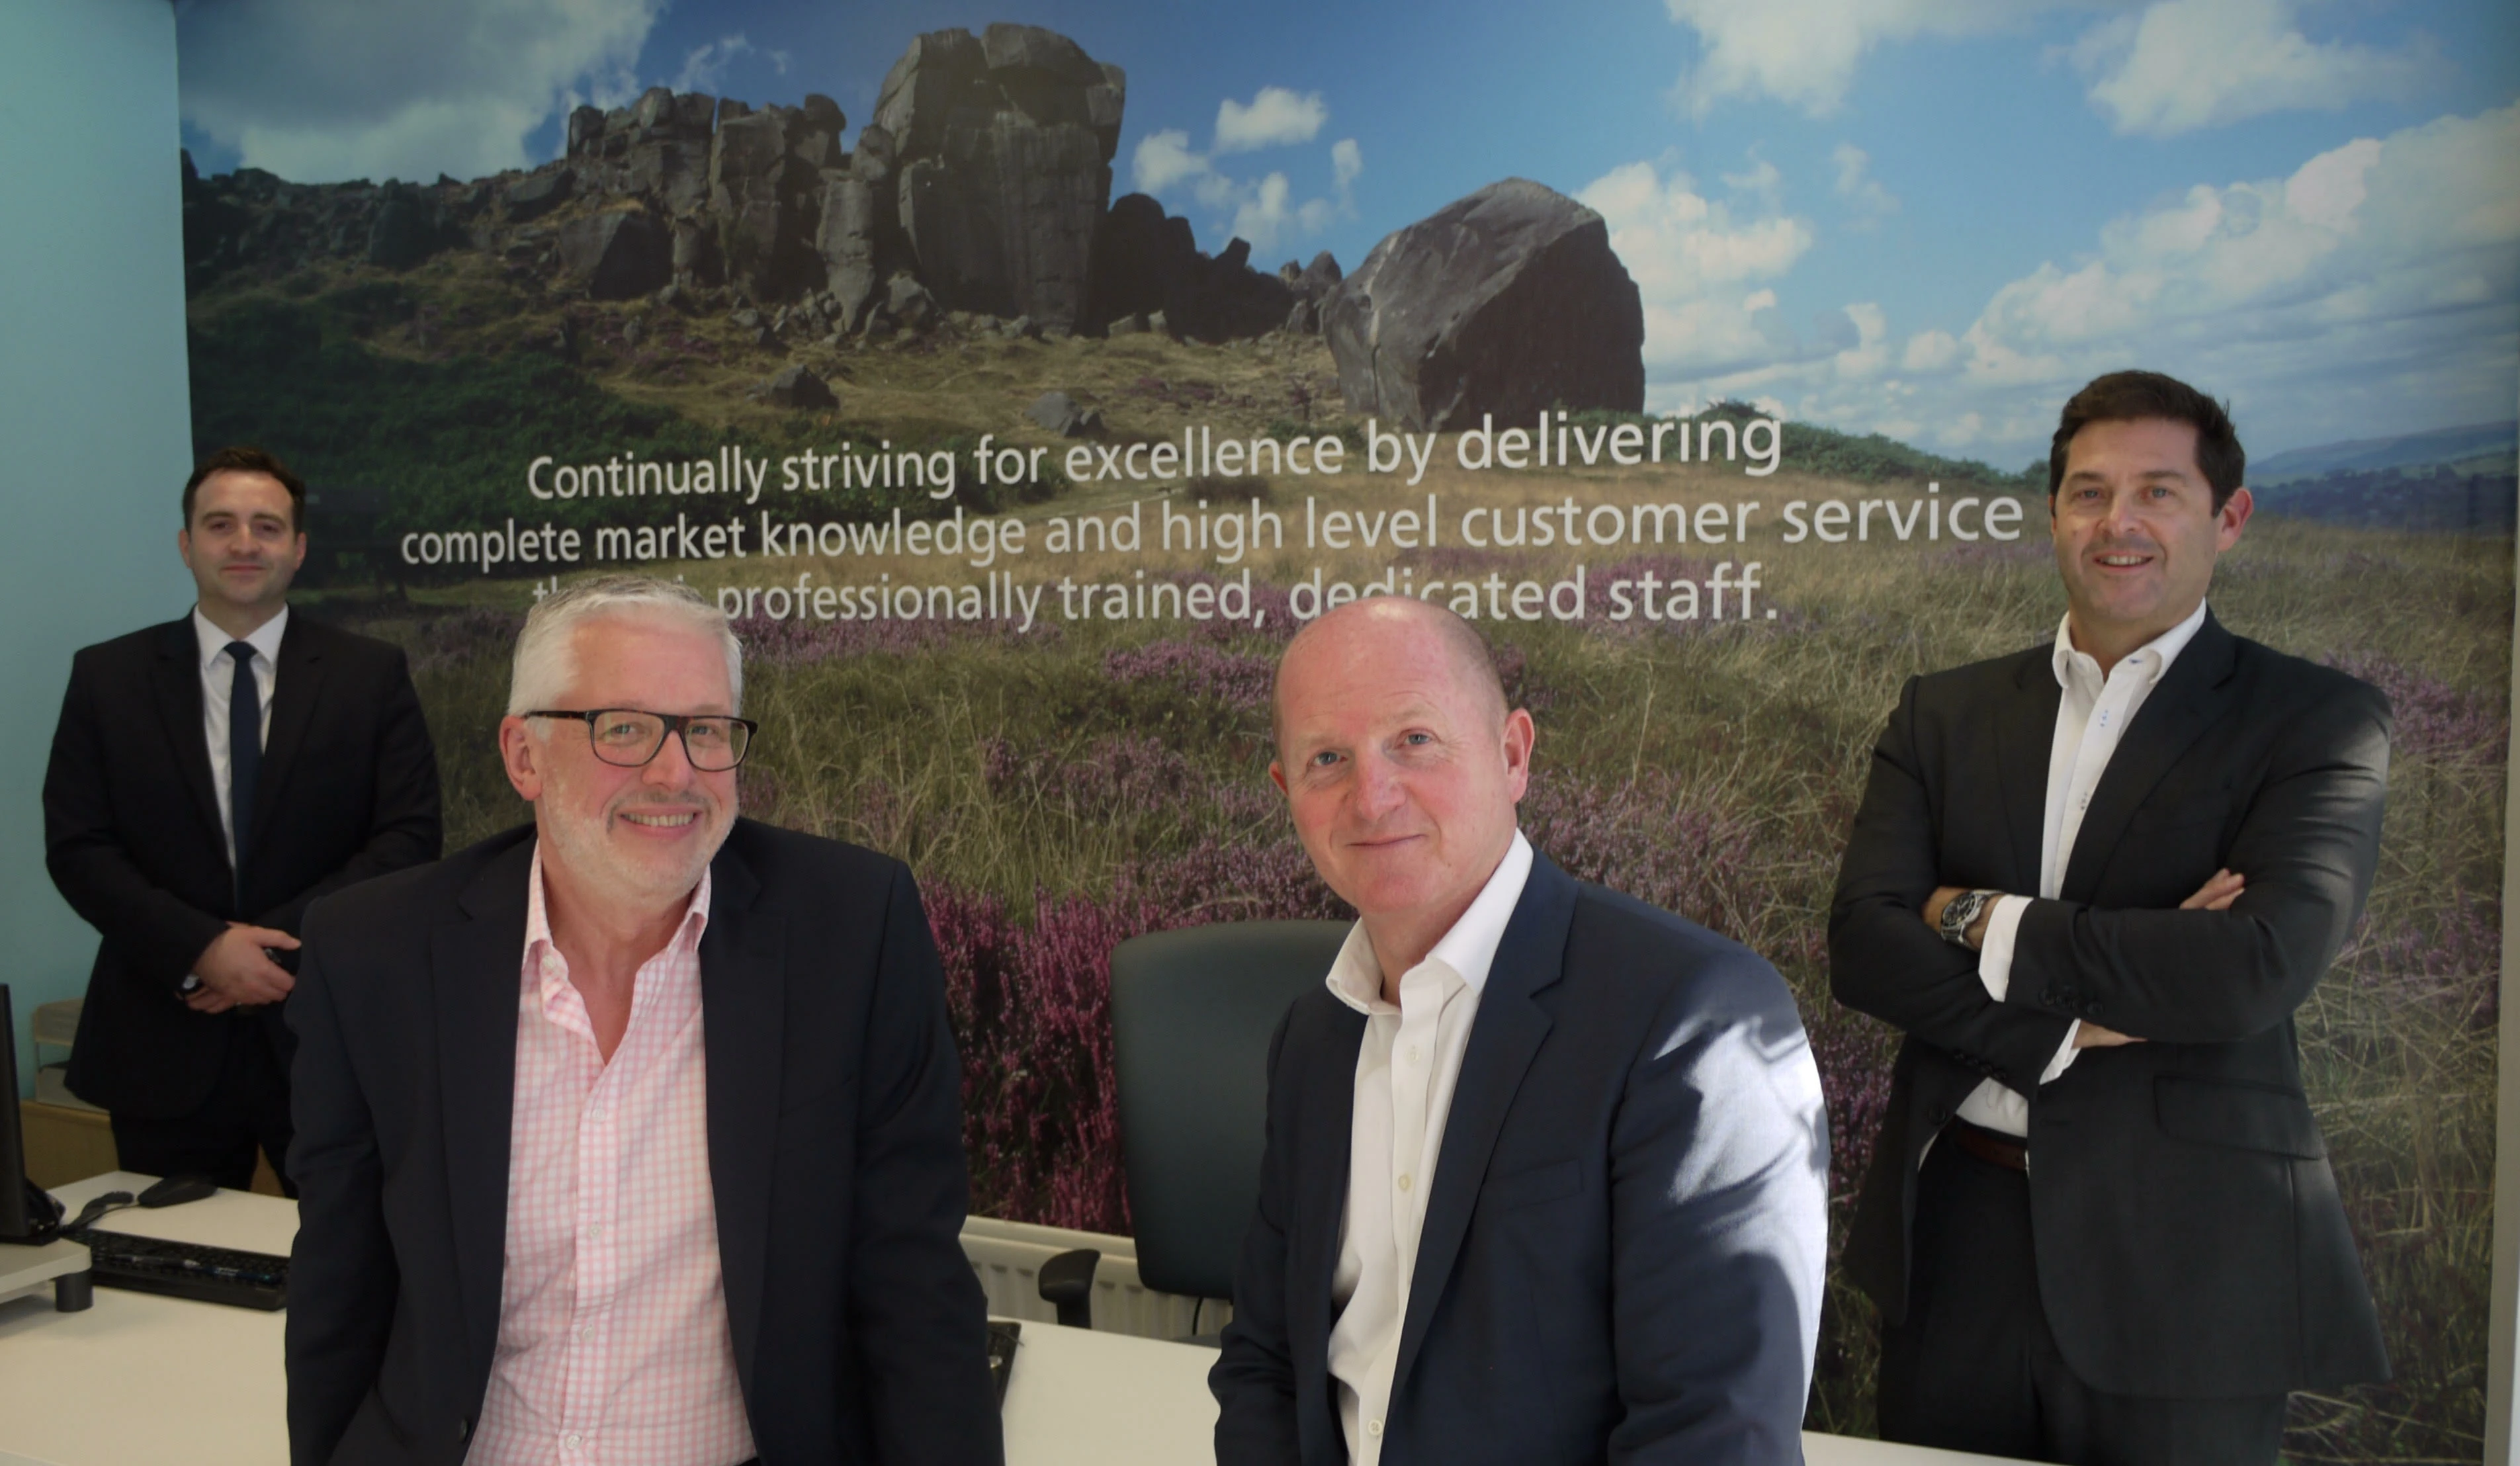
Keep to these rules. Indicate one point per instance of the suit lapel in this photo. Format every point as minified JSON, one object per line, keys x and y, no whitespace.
{"x":475,"y":964}
{"x":1503,"y":1038}
{"x":1325,"y":1141}
{"x":2189,"y":697}
{"x":2025,"y":735}
{"x":742,"y":1013}
{"x":178,"y":694}
{"x":299,"y":673}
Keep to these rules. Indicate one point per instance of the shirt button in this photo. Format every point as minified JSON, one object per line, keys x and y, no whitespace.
{"x":1374,"y":1428}
{"x":571,"y":1439}
{"x":1404,"y":1180}
{"x":1413,"y":1053}
{"x":595,"y":1231}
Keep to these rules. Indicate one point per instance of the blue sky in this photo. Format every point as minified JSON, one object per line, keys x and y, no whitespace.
{"x":1928,"y":217}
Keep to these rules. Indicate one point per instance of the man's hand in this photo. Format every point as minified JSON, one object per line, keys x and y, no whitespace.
{"x":235,"y":971}
{"x":2219,"y":890}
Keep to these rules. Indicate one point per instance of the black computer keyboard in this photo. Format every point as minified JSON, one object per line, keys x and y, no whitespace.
{"x":185,"y":1270}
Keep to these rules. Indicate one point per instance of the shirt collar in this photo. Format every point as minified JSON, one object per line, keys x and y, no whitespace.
{"x":2156,"y":655}
{"x":1467,"y":951}
{"x":695,"y":922}
{"x":265,"y":639}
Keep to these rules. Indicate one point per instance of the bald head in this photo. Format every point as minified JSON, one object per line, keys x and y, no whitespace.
{"x":1401,"y":766}
{"x":1439,"y":637}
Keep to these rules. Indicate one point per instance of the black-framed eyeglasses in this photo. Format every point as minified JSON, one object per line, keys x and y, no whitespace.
{"x":629,"y":738}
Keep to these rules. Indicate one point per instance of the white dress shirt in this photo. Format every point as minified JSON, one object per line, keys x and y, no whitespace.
{"x":2092,"y":717}
{"x":1404,"y":1073}
{"x":218,"y":678}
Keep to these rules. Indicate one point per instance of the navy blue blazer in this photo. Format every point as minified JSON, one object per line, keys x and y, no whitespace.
{"x":834,"y":1141}
{"x":1624,"y":1242}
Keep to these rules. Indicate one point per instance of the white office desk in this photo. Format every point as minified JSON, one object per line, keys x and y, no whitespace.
{"x":141,"y":1380}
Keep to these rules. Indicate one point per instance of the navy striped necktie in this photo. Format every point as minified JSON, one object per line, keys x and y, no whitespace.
{"x":245,"y":751}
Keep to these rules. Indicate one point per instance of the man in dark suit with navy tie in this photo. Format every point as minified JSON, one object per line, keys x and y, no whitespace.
{"x":1545,"y":1169}
{"x":210,"y":778}
{"x":2091,"y":881}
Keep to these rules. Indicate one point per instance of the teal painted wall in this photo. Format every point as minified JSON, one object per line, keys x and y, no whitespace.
{"x":94,"y":408}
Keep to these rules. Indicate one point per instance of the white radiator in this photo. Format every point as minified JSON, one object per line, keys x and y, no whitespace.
{"x":1007,"y":1256}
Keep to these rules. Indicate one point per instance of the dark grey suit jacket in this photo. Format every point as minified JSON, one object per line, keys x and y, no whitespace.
{"x":133,"y":839}
{"x":2189,"y":1237}
{"x":834,"y":1141}
{"x":1623,"y":1243}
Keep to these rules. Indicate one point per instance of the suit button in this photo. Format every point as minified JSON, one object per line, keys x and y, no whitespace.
{"x":1941,"y":1114}
{"x":463,"y":1430}
{"x":2092,"y":1007}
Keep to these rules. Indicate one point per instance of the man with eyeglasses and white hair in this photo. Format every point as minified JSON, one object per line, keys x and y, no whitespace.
{"x":633,"y":1135}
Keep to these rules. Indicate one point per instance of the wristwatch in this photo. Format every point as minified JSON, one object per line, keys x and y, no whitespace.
{"x":1960,"y":910}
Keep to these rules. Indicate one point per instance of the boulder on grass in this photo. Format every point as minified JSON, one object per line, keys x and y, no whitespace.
{"x":1058,"y":413}
{"x":1503,"y":304}
{"x":797,"y":387}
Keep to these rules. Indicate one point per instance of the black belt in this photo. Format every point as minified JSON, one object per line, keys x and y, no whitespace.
{"x":1992,"y":1146}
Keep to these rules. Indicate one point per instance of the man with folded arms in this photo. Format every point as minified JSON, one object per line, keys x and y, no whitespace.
{"x":1544,"y":1175}
{"x":632,"y":1136}
{"x":2092,"y":880}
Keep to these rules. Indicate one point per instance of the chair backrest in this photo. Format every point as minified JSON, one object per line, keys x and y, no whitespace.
{"x":1191,"y":1015}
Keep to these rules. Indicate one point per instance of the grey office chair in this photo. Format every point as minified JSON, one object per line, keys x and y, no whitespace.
{"x":1191,"y":1015}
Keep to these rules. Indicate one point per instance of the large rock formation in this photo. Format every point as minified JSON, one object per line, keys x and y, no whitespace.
{"x":1146,"y":261}
{"x":621,"y":255}
{"x":1004,"y":148}
{"x":657,"y":147}
{"x":984,"y":181}
{"x":1505,"y":302}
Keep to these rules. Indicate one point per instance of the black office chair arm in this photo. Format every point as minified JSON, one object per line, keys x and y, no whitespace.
{"x":1067,"y":1284}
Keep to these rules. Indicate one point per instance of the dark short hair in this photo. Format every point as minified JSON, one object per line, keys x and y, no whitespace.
{"x":2129,"y":396}
{"x":245,"y":459}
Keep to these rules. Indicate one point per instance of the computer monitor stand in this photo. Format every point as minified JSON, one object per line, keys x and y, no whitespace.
{"x":64,"y":1265}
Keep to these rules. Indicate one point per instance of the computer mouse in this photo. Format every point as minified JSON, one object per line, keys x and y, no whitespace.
{"x":175,"y":1190}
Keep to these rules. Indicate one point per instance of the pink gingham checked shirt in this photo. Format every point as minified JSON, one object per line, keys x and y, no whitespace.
{"x":612,"y":1333}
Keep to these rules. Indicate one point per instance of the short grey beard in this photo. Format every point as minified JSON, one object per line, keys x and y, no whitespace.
{"x":606,"y":878}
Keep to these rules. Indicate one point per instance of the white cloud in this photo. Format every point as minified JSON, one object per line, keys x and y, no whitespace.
{"x":1871,"y":349}
{"x":1273,"y":118}
{"x":2188,"y":63}
{"x":1931,"y":353}
{"x":1260,"y":210}
{"x":2371,"y":290}
{"x":1761,"y":179}
{"x":1263,"y":212}
{"x":1804,"y":51}
{"x":704,"y":68}
{"x":1216,"y":190}
{"x":1162,"y":159}
{"x":1700,"y":270}
{"x":1863,"y":193}
{"x":1346,"y":162}
{"x":317,"y":91}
